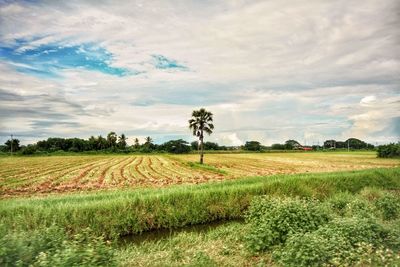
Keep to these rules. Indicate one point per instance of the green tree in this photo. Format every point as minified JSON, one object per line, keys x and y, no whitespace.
{"x":92,"y":143}
{"x":292,"y":144}
{"x":200,"y":123}
{"x":137,"y":144}
{"x":252,"y":146}
{"x":194,"y":145}
{"x":148,"y":141}
{"x":355,"y":143}
{"x":12,"y":145}
{"x":101,"y":142}
{"x":112,"y":139}
{"x":278,"y":146}
{"x":211,"y":146}
{"x":122,"y":141}
{"x":389,"y":151}
{"x":176,"y":146}
{"x":29,"y":150}
{"x":330,"y":144}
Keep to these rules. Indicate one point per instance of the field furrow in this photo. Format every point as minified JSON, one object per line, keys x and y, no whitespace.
{"x":31,"y":175}
{"x":106,"y":170}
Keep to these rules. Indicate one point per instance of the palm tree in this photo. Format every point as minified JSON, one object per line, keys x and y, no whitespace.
{"x":112,"y":139}
{"x":148,"y":140}
{"x":137,"y":144}
{"x":122,"y":141}
{"x":201,"y":122}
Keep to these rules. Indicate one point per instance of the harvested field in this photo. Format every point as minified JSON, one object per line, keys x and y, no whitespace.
{"x":29,"y":175}
{"x":69,"y":173}
{"x":262,"y":164}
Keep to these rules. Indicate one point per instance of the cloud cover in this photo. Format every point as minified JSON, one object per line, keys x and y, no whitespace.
{"x":268,"y":70}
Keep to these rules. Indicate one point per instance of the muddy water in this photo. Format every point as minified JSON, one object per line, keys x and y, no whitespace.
{"x":161,"y":234}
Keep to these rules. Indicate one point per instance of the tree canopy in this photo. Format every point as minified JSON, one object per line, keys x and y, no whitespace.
{"x":200,"y":123}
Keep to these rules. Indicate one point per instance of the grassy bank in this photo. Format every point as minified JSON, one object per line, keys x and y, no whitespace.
{"x":121,"y":212}
{"x":356,"y":230}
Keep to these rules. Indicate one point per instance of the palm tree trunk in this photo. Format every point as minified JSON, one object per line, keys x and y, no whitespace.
{"x":201,"y":148}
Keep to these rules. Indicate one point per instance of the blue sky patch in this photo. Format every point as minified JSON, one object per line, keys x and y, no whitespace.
{"x":164,"y":63}
{"x":48,"y":60}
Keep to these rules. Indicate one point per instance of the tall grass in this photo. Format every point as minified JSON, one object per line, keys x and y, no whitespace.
{"x":115,"y":213}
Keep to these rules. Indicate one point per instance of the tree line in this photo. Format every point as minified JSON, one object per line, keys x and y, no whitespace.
{"x":110,"y":143}
{"x":119,"y":144}
{"x":200,"y":123}
{"x":351,"y":143}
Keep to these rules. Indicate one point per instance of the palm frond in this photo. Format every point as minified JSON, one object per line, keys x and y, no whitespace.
{"x":200,"y":122}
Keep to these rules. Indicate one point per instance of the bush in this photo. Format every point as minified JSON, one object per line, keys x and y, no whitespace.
{"x":348,"y":205}
{"x":304,"y":250}
{"x":339,"y":202}
{"x":52,"y":247}
{"x":336,"y":243}
{"x":29,"y":150}
{"x":21,"y":248}
{"x":389,"y":151}
{"x":388,"y":206}
{"x":82,"y":250}
{"x":273,"y":220}
{"x":358,"y":207}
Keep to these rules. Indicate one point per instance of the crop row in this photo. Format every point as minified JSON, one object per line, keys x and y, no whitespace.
{"x":262,"y":164}
{"x":29,"y":175}
{"x":72,"y":173}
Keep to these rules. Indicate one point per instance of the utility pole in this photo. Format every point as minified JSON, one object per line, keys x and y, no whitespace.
{"x":348,"y":145}
{"x":12,"y":141}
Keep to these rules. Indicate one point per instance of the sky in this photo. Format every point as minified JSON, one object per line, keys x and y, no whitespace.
{"x":308,"y":70}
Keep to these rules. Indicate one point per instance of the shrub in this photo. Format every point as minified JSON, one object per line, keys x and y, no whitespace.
{"x":273,"y":220}
{"x":21,"y":248}
{"x":29,"y":150}
{"x":338,"y":203}
{"x":389,"y":151}
{"x":368,"y":255}
{"x":336,"y":243}
{"x":53,"y":247}
{"x":82,"y":250}
{"x":305,"y":250}
{"x":359,"y":208}
{"x":348,"y":205}
{"x":371,"y":193}
{"x":388,"y":206}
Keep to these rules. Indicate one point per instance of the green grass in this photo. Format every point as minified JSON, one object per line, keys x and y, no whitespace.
{"x":219,"y":246}
{"x":206,"y":167}
{"x":121,"y":212}
{"x":334,"y":243}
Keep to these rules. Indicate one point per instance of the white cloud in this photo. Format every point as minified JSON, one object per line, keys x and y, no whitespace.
{"x":230,"y":139}
{"x":368,"y":100}
{"x":269,"y":70}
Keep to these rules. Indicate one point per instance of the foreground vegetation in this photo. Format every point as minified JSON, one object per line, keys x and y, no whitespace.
{"x":349,"y":218}
{"x":341,"y":230}
{"x":120,"y":212}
